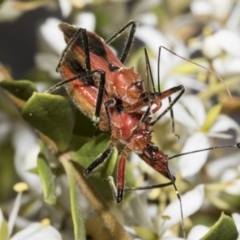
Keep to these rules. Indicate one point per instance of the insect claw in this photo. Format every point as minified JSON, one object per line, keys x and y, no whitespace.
{"x":119,"y":197}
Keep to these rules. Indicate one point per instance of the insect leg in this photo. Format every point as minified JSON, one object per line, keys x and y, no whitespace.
{"x":72,"y":41}
{"x":130,"y":38}
{"x":119,"y":189}
{"x":172,"y":119}
{"x":200,"y":66}
{"x":99,"y":160}
{"x":109,"y":103}
{"x":159,"y":94}
{"x":159,"y":97}
{"x":101,"y":90}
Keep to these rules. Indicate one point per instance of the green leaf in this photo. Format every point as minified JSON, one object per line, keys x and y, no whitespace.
{"x":4,"y":230}
{"x":47,"y":179}
{"x":83,"y":126}
{"x":211,"y":117}
{"x":8,"y":176}
{"x":78,"y":222}
{"x":223,"y":229}
{"x":22,"y":89}
{"x":77,"y":142}
{"x":52,"y":115}
{"x":129,"y":175}
{"x":88,"y":153}
{"x":92,"y":149}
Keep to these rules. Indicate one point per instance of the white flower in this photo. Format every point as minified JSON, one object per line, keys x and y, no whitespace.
{"x":219,"y":9}
{"x":236,"y":219}
{"x":26,"y":153}
{"x":191,"y":114}
{"x":191,"y":202}
{"x":34,"y":231}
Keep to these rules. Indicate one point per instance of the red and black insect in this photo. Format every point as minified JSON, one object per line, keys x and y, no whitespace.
{"x":115,"y":94}
{"x":112,"y":96}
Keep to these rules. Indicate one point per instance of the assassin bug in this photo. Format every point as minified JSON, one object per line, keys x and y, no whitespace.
{"x":90,"y":55}
{"x":112,"y":95}
{"x":118,"y":113}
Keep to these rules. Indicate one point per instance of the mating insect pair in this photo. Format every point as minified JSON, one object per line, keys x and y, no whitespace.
{"x":113,"y":97}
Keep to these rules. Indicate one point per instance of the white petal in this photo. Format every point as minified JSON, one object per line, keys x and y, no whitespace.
{"x":219,"y":135}
{"x":14,"y":213}
{"x":191,"y":202}
{"x":224,"y":123}
{"x":201,"y":7}
{"x":86,"y":20}
{"x":53,"y":35}
{"x":1,"y":218}
{"x":29,"y":231}
{"x":36,"y":231}
{"x":140,"y":210}
{"x":234,"y":188}
{"x":229,"y":175}
{"x":26,"y":153}
{"x":171,"y":238}
{"x":47,"y":62}
{"x":66,"y":7}
{"x":210,"y":48}
{"x":236,"y":219}
{"x":9,"y":11}
{"x":154,"y":39}
{"x":234,"y":18}
{"x":195,"y":107}
{"x":148,"y":18}
{"x":229,"y":41}
{"x":192,"y":163}
{"x":183,"y":117}
{"x":197,"y":232}
{"x":226,"y":66}
{"x":187,"y":81}
{"x":221,"y":9}
{"x":218,"y":166}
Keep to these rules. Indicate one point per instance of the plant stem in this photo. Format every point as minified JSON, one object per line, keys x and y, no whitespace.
{"x":97,"y":202}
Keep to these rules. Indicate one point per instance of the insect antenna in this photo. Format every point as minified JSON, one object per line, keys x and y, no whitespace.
{"x":179,"y":199}
{"x":158,"y":70}
{"x":148,"y":68}
{"x":199,"y":65}
{"x":205,"y":149}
